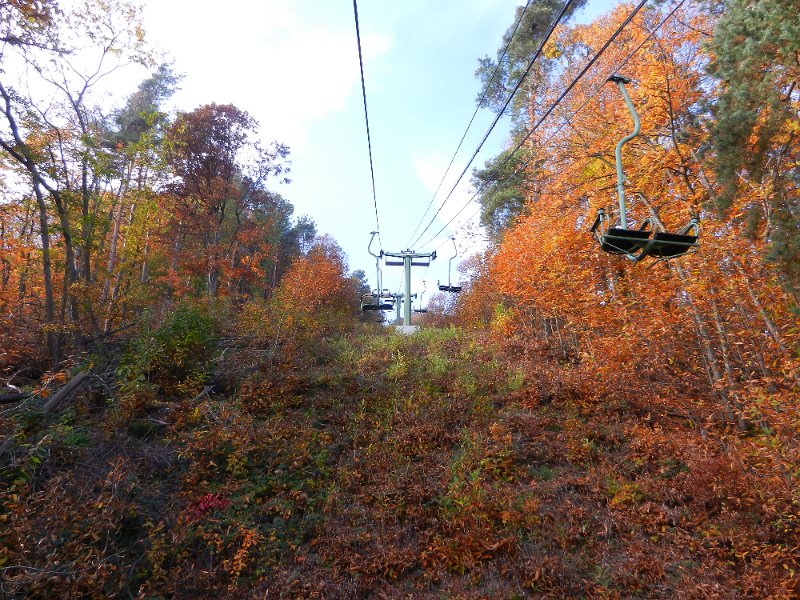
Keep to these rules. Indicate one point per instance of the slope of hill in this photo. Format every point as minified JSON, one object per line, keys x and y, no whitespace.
{"x":445,"y":464}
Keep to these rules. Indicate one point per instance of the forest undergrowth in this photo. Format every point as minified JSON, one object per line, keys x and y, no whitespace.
{"x":449,"y":463}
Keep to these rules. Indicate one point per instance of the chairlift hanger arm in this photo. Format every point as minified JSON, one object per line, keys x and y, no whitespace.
{"x":450,"y":265}
{"x":369,"y":247}
{"x":621,"y":81}
{"x":601,"y":215}
{"x":378,"y":274}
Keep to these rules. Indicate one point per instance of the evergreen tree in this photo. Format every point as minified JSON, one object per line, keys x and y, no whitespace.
{"x":511,"y":65}
{"x":755,"y":49}
{"x":500,"y":191}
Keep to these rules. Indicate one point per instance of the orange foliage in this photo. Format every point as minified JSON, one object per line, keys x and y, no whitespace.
{"x":316,"y":281}
{"x":718,"y":315}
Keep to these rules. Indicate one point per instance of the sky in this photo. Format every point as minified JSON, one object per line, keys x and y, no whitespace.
{"x":293,"y":65}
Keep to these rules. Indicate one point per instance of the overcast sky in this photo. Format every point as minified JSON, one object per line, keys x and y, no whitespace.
{"x":293,"y":65}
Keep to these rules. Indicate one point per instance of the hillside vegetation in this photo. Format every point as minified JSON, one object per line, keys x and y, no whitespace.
{"x":445,"y":464}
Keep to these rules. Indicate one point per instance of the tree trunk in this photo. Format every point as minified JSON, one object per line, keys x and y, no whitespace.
{"x":56,"y":399}
{"x":730,"y":408}
{"x":112,"y":252}
{"x":704,"y":339}
{"x":768,"y":322}
{"x":21,"y":153}
{"x":107,"y":299}
{"x":145,"y":275}
{"x":53,"y":339}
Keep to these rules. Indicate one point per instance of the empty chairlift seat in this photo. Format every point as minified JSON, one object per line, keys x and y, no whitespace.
{"x":636,"y":244}
{"x":369,"y":302}
{"x":624,"y":241}
{"x":670,"y":245}
{"x":453,"y":289}
{"x":386,"y":302}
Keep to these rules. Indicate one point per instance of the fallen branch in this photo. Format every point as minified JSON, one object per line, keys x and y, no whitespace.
{"x":205,"y":392}
{"x":16,"y":397}
{"x":102,"y":336}
{"x":55,"y":400}
{"x":14,"y":375}
{"x":51,"y":405}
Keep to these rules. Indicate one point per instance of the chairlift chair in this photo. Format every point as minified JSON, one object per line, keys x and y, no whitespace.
{"x":636,"y":244}
{"x":453,"y":289}
{"x":373,"y":300}
{"x":422,"y":293}
{"x":369,"y":302}
{"x":386,"y":300}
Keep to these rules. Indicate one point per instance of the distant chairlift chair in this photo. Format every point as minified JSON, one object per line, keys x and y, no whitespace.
{"x":421,"y":294}
{"x":386,"y":300}
{"x":369,"y":302}
{"x":636,"y":244}
{"x":453,"y":289}
{"x":373,"y":300}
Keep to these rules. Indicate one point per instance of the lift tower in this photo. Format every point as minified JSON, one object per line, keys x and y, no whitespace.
{"x":408,"y":259}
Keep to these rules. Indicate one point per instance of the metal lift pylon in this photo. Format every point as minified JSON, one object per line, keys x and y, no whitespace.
{"x":408,"y":259}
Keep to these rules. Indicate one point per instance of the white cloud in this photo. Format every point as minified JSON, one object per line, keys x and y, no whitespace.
{"x":270,"y":59}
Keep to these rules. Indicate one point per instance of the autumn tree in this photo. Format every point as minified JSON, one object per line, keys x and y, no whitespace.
{"x":111,"y":211}
{"x":28,"y":23}
{"x":313,"y":300}
{"x":216,"y":187}
{"x":499,"y":184}
{"x":55,"y":141}
{"x":316,"y":291}
{"x":522,"y":40}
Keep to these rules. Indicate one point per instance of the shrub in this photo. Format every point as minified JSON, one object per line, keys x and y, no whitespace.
{"x":174,"y":359}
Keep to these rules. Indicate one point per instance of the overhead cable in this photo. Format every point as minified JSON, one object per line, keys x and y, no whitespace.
{"x":366,"y":121}
{"x":585,"y":103}
{"x":472,"y":119}
{"x":594,"y":94}
{"x":502,"y":111}
{"x":547,"y":113}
